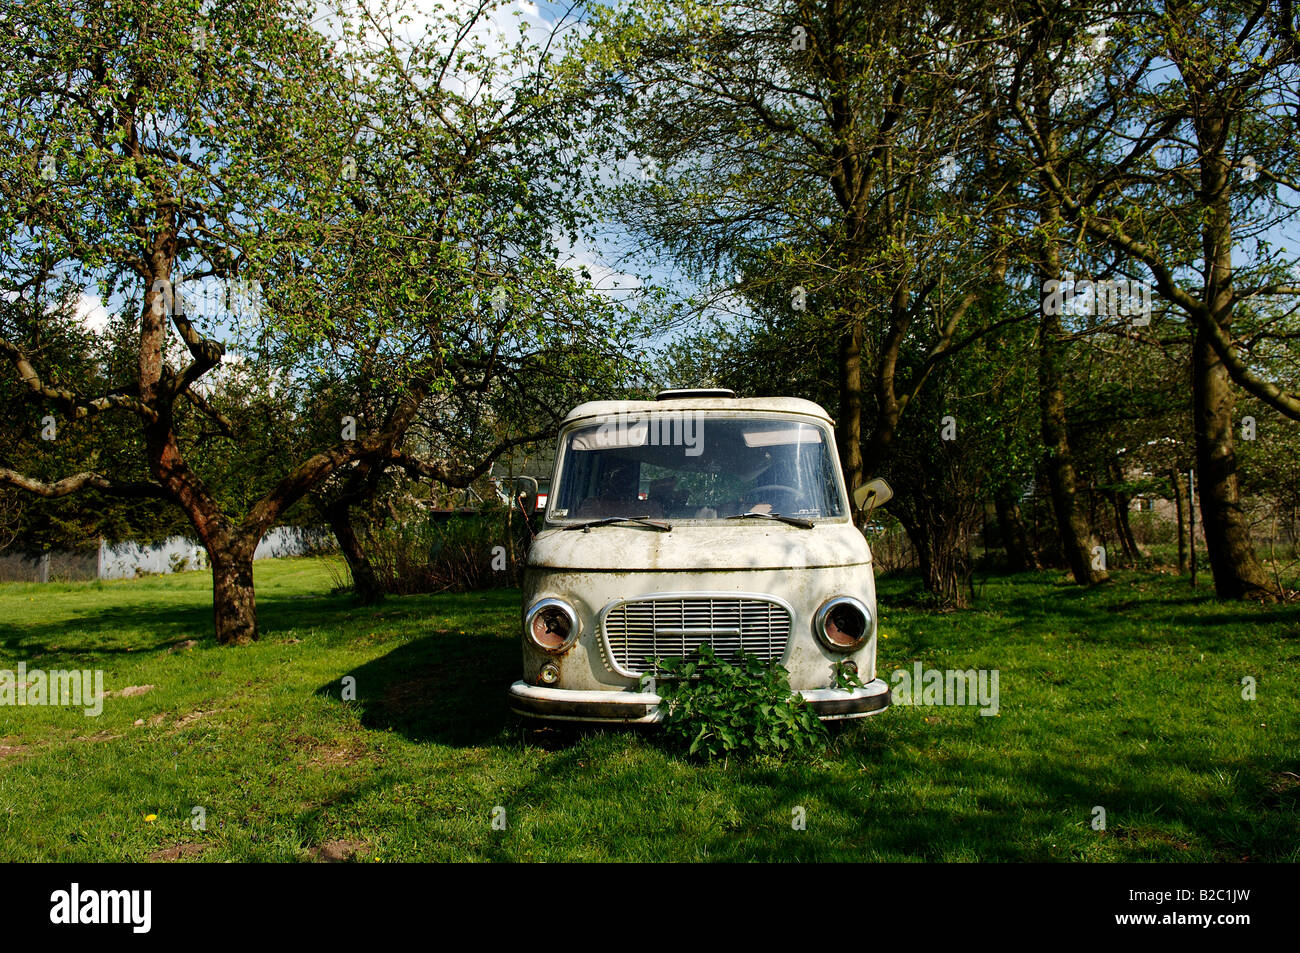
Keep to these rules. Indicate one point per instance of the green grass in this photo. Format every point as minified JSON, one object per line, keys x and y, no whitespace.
{"x":1127,"y":697}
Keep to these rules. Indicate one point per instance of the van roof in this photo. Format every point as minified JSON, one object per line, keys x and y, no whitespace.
{"x":781,"y":405}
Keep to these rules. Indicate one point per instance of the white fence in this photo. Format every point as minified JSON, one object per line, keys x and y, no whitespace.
{"x":128,"y":560}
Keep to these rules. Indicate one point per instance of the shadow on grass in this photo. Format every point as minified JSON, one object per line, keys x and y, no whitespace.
{"x":965,"y":808}
{"x":142,"y":629}
{"x":452,"y":689}
{"x":101,"y":633}
{"x":447,"y":689}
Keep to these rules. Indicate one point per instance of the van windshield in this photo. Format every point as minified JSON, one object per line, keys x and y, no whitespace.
{"x":688,"y":465}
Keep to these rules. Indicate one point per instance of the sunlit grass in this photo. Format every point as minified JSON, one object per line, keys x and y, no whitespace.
{"x":1127,"y":698}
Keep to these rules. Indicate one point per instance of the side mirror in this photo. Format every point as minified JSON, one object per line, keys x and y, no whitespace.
{"x":870,"y":495}
{"x":526,"y":495}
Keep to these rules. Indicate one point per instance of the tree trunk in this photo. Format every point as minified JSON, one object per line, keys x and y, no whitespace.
{"x":1126,"y":525}
{"x":1120,"y":503}
{"x":234,"y":606}
{"x":939,"y":541}
{"x":1072,"y":523}
{"x":946,"y":572}
{"x":1237,"y":571}
{"x":1180,"y":512}
{"x":230,"y":550}
{"x":1123,"y":529}
{"x":850,"y":425}
{"x":1015,"y":538}
{"x":358,"y":488}
{"x":366,"y":587}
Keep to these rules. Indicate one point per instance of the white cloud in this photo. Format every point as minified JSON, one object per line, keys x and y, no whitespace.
{"x":91,"y":313}
{"x":605,"y":279}
{"x":495,"y":31}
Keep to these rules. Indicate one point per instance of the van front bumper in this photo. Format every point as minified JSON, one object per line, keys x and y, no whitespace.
{"x":642,"y":708}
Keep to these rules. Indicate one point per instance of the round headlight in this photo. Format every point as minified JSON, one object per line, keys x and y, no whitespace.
{"x":551,"y":625}
{"x":843,"y":624}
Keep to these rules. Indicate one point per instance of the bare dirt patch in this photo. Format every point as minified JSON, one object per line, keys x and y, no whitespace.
{"x":333,"y":756}
{"x":179,"y":852}
{"x":327,"y":754}
{"x":12,"y":751}
{"x":104,"y":735}
{"x":193,"y":716}
{"x":337,"y":851}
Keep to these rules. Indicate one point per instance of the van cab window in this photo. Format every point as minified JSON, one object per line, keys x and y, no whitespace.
{"x":729,"y":467}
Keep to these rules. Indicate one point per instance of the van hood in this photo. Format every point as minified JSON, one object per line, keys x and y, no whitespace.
{"x":748,"y":544}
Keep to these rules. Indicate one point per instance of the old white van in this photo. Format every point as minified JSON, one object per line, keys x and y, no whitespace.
{"x":696,"y":519}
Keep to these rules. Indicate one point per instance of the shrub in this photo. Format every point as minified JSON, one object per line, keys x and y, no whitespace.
{"x":717,"y":708}
{"x":457,"y":554}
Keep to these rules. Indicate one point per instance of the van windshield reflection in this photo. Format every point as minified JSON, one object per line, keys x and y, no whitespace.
{"x":693,"y":466}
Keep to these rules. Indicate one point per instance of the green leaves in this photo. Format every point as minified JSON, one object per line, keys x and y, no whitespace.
{"x":719,"y":708}
{"x":846,"y":678}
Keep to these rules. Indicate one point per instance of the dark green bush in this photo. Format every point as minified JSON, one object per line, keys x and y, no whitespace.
{"x":457,"y":554}
{"x":717,"y":708}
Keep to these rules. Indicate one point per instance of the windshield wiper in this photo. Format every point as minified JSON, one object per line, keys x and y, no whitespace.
{"x":792,"y":520}
{"x":643,"y":520}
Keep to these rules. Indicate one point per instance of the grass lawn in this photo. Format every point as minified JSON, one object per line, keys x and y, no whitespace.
{"x":1127,"y":698}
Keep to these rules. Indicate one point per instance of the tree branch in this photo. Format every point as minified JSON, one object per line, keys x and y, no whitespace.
{"x":72,"y":404}
{"x":77,"y":482}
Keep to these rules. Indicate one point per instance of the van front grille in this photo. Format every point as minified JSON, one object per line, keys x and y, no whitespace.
{"x":637,"y":633}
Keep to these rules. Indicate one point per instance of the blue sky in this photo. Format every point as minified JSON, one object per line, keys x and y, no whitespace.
{"x":604,"y":254}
